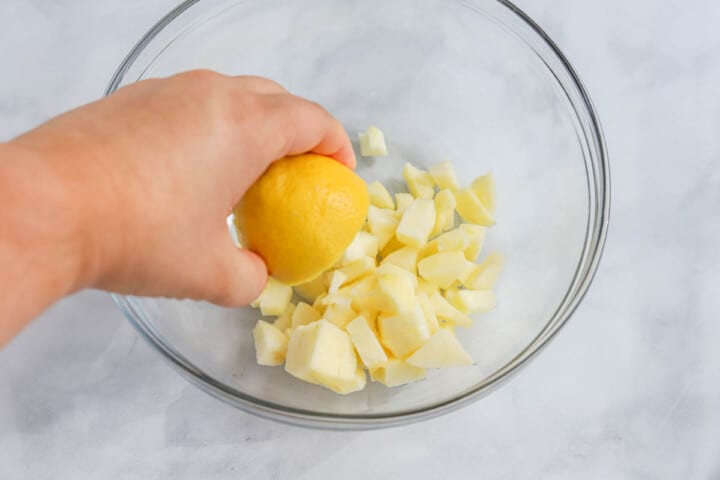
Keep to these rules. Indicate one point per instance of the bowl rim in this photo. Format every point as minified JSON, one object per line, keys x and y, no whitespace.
{"x":592,"y":253}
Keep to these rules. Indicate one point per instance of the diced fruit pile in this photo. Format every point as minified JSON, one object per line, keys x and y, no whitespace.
{"x":392,"y":302}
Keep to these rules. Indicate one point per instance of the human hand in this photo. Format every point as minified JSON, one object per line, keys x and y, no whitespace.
{"x":151,"y":173}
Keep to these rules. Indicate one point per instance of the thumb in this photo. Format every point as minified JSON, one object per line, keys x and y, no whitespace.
{"x":239,"y":276}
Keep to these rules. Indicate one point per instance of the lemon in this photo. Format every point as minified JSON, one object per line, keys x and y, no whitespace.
{"x":301,"y":215}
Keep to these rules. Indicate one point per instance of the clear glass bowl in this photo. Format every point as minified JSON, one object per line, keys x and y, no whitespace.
{"x":477,"y":82}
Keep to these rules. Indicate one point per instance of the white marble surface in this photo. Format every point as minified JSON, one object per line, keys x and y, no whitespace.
{"x":629,"y":389}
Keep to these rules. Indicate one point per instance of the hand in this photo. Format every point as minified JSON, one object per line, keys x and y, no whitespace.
{"x":149,"y":175}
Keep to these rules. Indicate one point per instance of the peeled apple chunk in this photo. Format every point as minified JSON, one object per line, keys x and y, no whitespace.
{"x":392,"y":301}
{"x":356,"y":383}
{"x":485,"y":275}
{"x":476,"y":235}
{"x":274,"y":298}
{"x":322,"y":353}
{"x":270,"y":344}
{"x":403,"y":200}
{"x":471,"y":301}
{"x":396,"y":373}
{"x":366,"y":343}
{"x":454,"y":240}
{"x":428,"y":311}
{"x":405,"y":332}
{"x":379,"y":196}
{"x":447,"y":312}
{"x":382,"y":223}
{"x":419,"y":182}
{"x":471,"y":208}
{"x":394,"y":270}
{"x":372,"y":143}
{"x":357,"y":269}
{"x":405,"y":258}
{"x":416,"y":223}
{"x":339,"y":314}
{"x":397,"y":293}
{"x":444,"y":212}
{"x":283,"y":321}
{"x":303,"y":315}
{"x":444,"y":268}
{"x":484,"y":188}
{"x":443,"y":174}
{"x":363,"y":245}
{"x":442,"y":350}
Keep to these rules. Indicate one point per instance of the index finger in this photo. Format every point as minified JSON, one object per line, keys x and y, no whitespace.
{"x":307,"y":127}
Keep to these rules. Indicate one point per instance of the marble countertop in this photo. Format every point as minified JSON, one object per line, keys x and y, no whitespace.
{"x":81,"y":396}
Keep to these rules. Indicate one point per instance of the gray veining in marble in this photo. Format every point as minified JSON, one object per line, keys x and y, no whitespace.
{"x":629,"y":389}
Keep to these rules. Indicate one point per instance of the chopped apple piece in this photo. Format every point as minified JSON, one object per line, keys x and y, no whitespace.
{"x":358,"y":382}
{"x":430,"y":249}
{"x":366,"y":296}
{"x":442,"y":350}
{"x":484,"y":189}
{"x":471,"y":301}
{"x":357,"y":269}
{"x":444,"y":212}
{"x":453,"y":241}
{"x":476,"y":235}
{"x":360,"y":286}
{"x":382,"y":223}
{"x":471,"y":208}
{"x":337,"y":279}
{"x":449,"y":294}
{"x":341,"y":297}
{"x":394,"y":270}
{"x":312,"y":289}
{"x":393,"y":245}
{"x":428,"y":311}
{"x":449,"y":327}
{"x":443,"y":174}
{"x":404,"y":332}
{"x":303,"y":315}
{"x":320,"y":303}
{"x":371,"y":319}
{"x":323,"y":354}
{"x":274,"y":298}
{"x":417,"y":222}
{"x":398,"y":293}
{"x":447,"y":312}
{"x":444,"y":268}
{"x":270,"y":344}
{"x":339,"y":314}
{"x":397,"y":373}
{"x":284,"y":320}
{"x":419,"y":182}
{"x":403,"y":200}
{"x":366,"y":343}
{"x":379,"y":196}
{"x":363,"y":294}
{"x":405,"y":258}
{"x":363,"y":245}
{"x":485,"y":275}
{"x":372,"y":143}
{"x":428,"y":288}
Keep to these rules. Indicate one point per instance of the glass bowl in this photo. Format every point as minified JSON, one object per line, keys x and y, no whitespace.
{"x":476,"y":82}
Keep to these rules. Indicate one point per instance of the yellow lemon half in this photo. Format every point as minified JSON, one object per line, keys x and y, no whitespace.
{"x":301,"y":215}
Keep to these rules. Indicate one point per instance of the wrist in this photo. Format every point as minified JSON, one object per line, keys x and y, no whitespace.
{"x":43,"y":229}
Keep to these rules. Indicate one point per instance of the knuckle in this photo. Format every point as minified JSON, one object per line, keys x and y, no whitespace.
{"x":262,"y":83}
{"x":200,"y":76}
